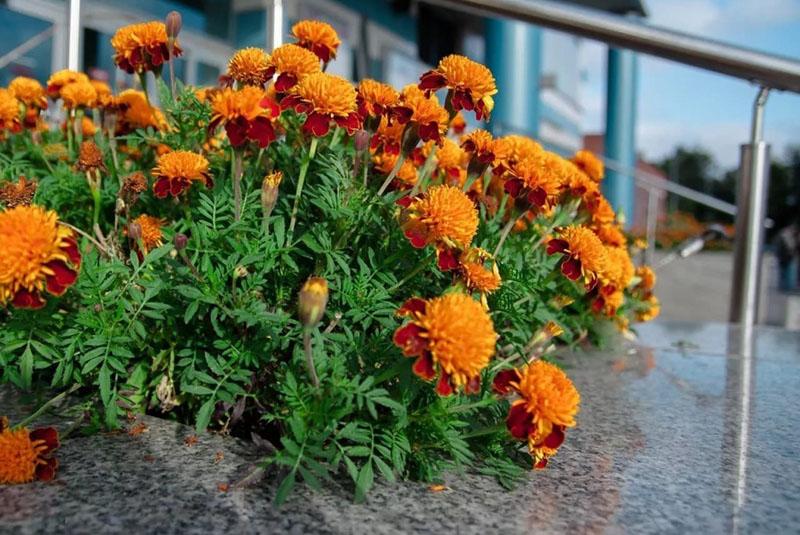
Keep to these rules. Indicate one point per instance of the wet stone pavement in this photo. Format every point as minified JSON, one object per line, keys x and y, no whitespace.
{"x":694,"y":430}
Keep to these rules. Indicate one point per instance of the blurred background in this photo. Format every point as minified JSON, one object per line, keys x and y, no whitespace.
{"x":670,"y":134}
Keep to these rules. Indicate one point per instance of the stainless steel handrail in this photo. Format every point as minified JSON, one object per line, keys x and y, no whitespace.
{"x":776,"y":72}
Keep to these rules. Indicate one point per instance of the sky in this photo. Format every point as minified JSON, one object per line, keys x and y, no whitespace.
{"x":680,"y":105}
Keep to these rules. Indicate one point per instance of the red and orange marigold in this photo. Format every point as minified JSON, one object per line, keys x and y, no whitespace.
{"x":292,"y":63}
{"x":250,"y":66}
{"x":471,"y":84}
{"x":247,"y":114}
{"x":142,"y":47}
{"x":175,"y":171}
{"x":583,"y":254}
{"x":546,"y":406}
{"x":324,"y":98}
{"x":27,"y":455}
{"x":318,"y":37}
{"x":452,"y":336}
{"x":9,"y":112}
{"x":37,"y":254}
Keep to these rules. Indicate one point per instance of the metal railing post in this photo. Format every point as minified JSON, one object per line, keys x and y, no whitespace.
{"x":751,"y":200}
{"x":653,"y":196}
{"x":74,"y":36}
{"x":274,"y":16}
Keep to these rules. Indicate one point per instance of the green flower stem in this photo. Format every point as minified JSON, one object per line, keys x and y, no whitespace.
{"x":78,"y":125}
{"x":469,"y":406}
{"x":237,"y":184}
{"x":490,"y":430}
{"x":501,"y":208}
{"x":396,"y":169}
{"x":425,"y":175}
{"x":41,"y":410}
{"x":414,"y":272}
{"x":143,"y":82}
{"x":312,"y":371}
{"x":506,"y":231}
{"x":300,"y":182}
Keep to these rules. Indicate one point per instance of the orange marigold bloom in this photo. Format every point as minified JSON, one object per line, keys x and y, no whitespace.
{"x":18,"y":194}
{"x":318,"y":37}
{"x":61,"y":78}
{"x":481,"y":144}
{"x":152,"y":236}
{"x":427,"y":116}
{"x":407,"y":175}
{"x":514,"y":148}
{"x":546,"y":407}
{"x":9,"y":111}
{"x":651,"y":310}
{"x":458,"y":124}
{"x":536,"y":178}
{"x":471,"y":84}
{"x":619,"y":270}
{"x":247,"y":114}
{"x":590,"y":164}
{"x":452,"y":335}
{"x":387,"y":137}
{"x":584,"y":255}
{"x":37,"y":253}
{"x":600,"y":210}
{"x":135,"y":112}
{"x":375,"y":98}
{"x":477,"y":277}
{"x":608,"y":300}
{"x":175,"y":171}
{"x":105,"y":99}
{"x":647,"y":278}
{"x":142,"y":47}
{"x":611,"y":235}
{"x":324,"y":98}
{"x":28,"y":91}
{"x":444,"y":214}
{"x":293,"y":63}
{"x":250,"y":66}
{"x":451,"y":161}
{"x":27,"y":455}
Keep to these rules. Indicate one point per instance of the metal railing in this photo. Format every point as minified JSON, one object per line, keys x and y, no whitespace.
{"x":768,"y":71}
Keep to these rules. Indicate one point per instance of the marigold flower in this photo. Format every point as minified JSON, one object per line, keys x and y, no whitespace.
{"x":250,"y":66}
{"x":20,"y":193}
{"x":375,"y":99}
{"x":142,"y":47}
{"x":600,"y":210}
{"x":458,"y":124}
{"x":324,"y":98}
{"x":9,"y":111}
{"x":132,"y":187}
{"x":428,"y":117}
{"x":583,"y":253}
{"x":28,"y":91}
{"x":471,"y":84}
{"x":105,"y":99}
{"x":445,"y":217}
{"x":247,"y":115}
{"x":312,"y":300}
{"x":135,"y":112}
{"x":477,"y":277}
{"x":407,"y":175}
{"x":611,"y":235}
{"x":318,"y":37}
{"x":451,"y":161}
{"x":37,"y":253}
{"x":292,"y":63}
{"x":27,"y":455}
{"x":388,"y":137}
{"x":90,"y":157}
{"x":452,"y":335}
{"x":151,"y":235}
{"x":647,"y":278}
{"x":61,"y":78}
{"x":514,"y":148}
{"x":619,"y":270}
{"x":608,"y":300}
{"x":590,"y":164}
{"x":175,"y":171}
{"x":546,"y":407}
{"x":651,"y":311}
{"x":535,"y":178}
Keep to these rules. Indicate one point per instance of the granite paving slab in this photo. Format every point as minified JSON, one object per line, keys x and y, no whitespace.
{"x":667,"y":441}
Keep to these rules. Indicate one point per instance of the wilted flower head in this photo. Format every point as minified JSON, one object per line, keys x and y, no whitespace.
{"x":20,"y":193}
{"x":90,"y":157}
{"x":27,"y":455}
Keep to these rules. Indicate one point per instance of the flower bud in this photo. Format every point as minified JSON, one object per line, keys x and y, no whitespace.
{"x":135,"y":231}
{"x":119,"y":206}
{"x":361,"y":140}
{"x":312,"y":300}
{"x":173,"y":24}
{"x":269,"y":192}
{"x":179,"y":241}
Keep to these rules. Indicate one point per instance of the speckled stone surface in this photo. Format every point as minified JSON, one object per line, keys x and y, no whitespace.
{"x":675,"y":435}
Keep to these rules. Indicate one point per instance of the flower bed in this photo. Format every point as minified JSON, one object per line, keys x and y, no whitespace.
{"x":336,"y":268}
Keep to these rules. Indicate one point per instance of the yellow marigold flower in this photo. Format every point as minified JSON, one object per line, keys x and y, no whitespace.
{"x":619,"y":268}
{"x":247,"y":114}
{"x":293,"y":63}
{"x":135,"y":112}
{"x":250,"y":66}
{"x":444,"y":215}
{"x":324,"y":97}
{"x":18,"y":193}
{"x":175,"y":171}
{"x":37,"y":253}
{"x":452,"y":333}
{"x":611,"y":235}
{"x":312,"y":300}
{"x":547,"y":405}
{"x":27,"y":455}
{"x":142,"y":47}
{"x":584,"y":255}
{"x":385,"y":162}
{"x":9,"y":111}
{"x":152,"y":236}
{"x":651,"y":311}
{"x":647,"y":278}
{"x":28,"y":91}
{"x":61,"y":78}
{"x":590,"y":164}
{"x":375,"y":98}
{"x":471,"y":84}
{"x":318,"y":37}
